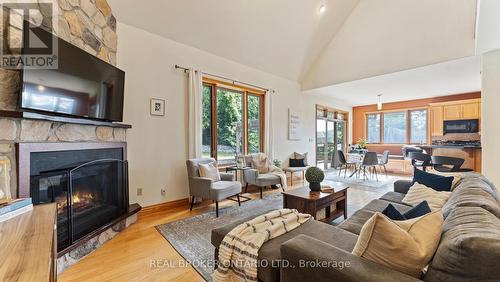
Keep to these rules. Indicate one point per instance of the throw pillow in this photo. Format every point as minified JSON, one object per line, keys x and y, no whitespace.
{"x":297,"y":163}
{"x":391,"y":212}
{"x":434,"y":181}
{"x":419,"y":192}
{"x":301,"y":156}
{"x":457,"y":176}
{"x":405,"y":246}
{"x":209,"y":171}
{"x":261,"y":165}
{"x":419,"y":210}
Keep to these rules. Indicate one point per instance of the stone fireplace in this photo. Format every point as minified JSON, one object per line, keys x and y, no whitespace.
{"x":83,"y":181}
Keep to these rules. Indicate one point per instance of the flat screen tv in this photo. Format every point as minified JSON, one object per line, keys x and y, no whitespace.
{"x":82,"y":85}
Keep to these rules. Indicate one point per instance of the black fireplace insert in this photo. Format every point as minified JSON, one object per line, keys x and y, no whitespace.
{"x":90,"y":188}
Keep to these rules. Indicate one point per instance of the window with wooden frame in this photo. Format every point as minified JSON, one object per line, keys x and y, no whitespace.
{"x":397,"y":127}
{"x":233,"y":121}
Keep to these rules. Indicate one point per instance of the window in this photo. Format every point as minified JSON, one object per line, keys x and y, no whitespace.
{"x":232,"y":122}
{"x":418,"y":126}
{"x":395,"y":128}
{"x":229,"y":125}
{"x":373,"y":128}
{"x":403,"y":127}
{"x":206,"y":136}
{"x":254,"y":103}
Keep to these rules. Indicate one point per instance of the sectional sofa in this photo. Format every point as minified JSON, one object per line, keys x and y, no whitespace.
{"x":469,"y":249}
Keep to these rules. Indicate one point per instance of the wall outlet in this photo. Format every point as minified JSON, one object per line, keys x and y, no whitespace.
{"x":139,"y":191}
{"x":164,"y":192}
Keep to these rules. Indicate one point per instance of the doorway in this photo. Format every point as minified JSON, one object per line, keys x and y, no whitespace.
{"x":331,"y":129}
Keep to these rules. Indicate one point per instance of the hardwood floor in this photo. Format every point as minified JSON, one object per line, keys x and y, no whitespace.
{"x":130,"y":255}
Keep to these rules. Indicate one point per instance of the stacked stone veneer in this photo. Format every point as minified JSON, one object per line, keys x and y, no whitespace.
{"x":91,"y":26}
{"x":87,"y":24}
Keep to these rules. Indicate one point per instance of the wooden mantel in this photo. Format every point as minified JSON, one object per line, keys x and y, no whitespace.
{"x":28,"y":246}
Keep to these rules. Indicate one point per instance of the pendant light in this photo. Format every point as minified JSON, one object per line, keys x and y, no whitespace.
{"x":379,"y":102}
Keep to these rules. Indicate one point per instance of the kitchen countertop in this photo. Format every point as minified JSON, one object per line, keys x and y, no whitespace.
{"x":451,"y":146}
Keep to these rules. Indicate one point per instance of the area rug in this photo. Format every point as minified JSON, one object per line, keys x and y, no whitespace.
{"x":370,"y":182}
{"x":191,"y":236}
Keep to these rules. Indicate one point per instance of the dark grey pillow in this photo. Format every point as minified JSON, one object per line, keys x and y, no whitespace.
{"x":434,"y":181}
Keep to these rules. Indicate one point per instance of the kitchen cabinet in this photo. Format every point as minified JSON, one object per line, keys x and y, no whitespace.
{"x":437,"y":121}
{"x":452,"y":112}
{"x":464,"y":110}
{"x":470,"y":111}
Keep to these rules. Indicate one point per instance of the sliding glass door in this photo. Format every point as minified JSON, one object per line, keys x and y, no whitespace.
{"x":321,"y":159}
{"x":330,"y":136}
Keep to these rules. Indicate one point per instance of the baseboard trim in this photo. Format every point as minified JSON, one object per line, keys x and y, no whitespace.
{"x":165,"y":206}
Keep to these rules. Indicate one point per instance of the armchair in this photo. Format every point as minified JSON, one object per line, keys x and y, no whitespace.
{"x":206,"y":188}
{"x":253,"y":177}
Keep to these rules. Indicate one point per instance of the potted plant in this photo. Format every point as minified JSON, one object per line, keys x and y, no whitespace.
{"x":277,"y":163}
{"x":314,"y":176}
{"x":362,"y":142}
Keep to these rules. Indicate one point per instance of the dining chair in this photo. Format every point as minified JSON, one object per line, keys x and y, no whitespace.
{"x":420,"y":160}
{"x":370,"y":161}
{"x":384,"y":160}
{"x":448,"y":164}
{"x":343,"y":163}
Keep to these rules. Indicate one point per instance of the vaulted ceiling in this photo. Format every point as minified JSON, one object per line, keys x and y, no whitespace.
{"x":350,"y":40}
{"x":282,"y":37}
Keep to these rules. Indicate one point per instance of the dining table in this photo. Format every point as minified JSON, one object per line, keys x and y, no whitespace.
{"x":357,"y":159}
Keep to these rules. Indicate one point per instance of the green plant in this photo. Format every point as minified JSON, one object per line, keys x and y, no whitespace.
{"x":277,"y":162}
{"x":362,"y":143}
{"x":314,"y":175}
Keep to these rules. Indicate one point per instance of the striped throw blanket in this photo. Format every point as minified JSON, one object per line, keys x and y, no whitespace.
{"x":239,"y":249}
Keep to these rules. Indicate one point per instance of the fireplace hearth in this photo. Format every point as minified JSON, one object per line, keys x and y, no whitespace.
{"x":89,"y":186}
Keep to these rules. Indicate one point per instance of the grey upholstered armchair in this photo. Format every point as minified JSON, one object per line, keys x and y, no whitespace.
{"x":253,"y":177}
{"x":206,"y":188}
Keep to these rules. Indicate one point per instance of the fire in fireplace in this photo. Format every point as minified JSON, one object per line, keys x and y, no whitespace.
{"x":80,"y":201}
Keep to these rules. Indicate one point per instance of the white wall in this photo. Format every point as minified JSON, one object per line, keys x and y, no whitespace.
{"x":490,"y":117}
{"x":488,"y":26}
{"x":386,"y":36}
{"x":157,"y":148}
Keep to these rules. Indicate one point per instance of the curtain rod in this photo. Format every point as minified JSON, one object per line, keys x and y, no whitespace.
{"x":229,"y":79}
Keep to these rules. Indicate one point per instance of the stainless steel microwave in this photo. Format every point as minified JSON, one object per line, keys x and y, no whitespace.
{"x":461,"y":126}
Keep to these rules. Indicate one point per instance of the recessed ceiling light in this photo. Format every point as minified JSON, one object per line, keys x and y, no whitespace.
{"x":322,"y":9}
{"x":41,"y":88}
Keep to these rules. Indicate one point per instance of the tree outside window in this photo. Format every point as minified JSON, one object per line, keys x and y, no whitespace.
{"x":232,"y":123}
{"x":402,"y":127}
{"x":395,"y":128}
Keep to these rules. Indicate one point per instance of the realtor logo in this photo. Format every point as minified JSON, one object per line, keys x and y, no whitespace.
{"x":28,"y":41}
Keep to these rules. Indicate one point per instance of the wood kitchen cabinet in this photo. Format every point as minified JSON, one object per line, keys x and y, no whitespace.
{"x":452,"y":112}
{"x":437,"y":121}
{"x":455,"y":110}
{"x":463,"y":110}
{"x":471,"y":111}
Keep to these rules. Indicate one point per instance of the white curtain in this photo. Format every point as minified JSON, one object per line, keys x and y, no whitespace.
{"x":268,"y":146}
{"x":195,"y":113}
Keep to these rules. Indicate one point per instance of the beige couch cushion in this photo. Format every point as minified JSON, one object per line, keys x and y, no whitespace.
{"x":209,"y":171}
{"x":419,"y":193}
{"x":406,"y":246}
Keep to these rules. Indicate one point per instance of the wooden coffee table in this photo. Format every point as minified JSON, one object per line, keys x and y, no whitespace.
{"x":306,"y":201}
